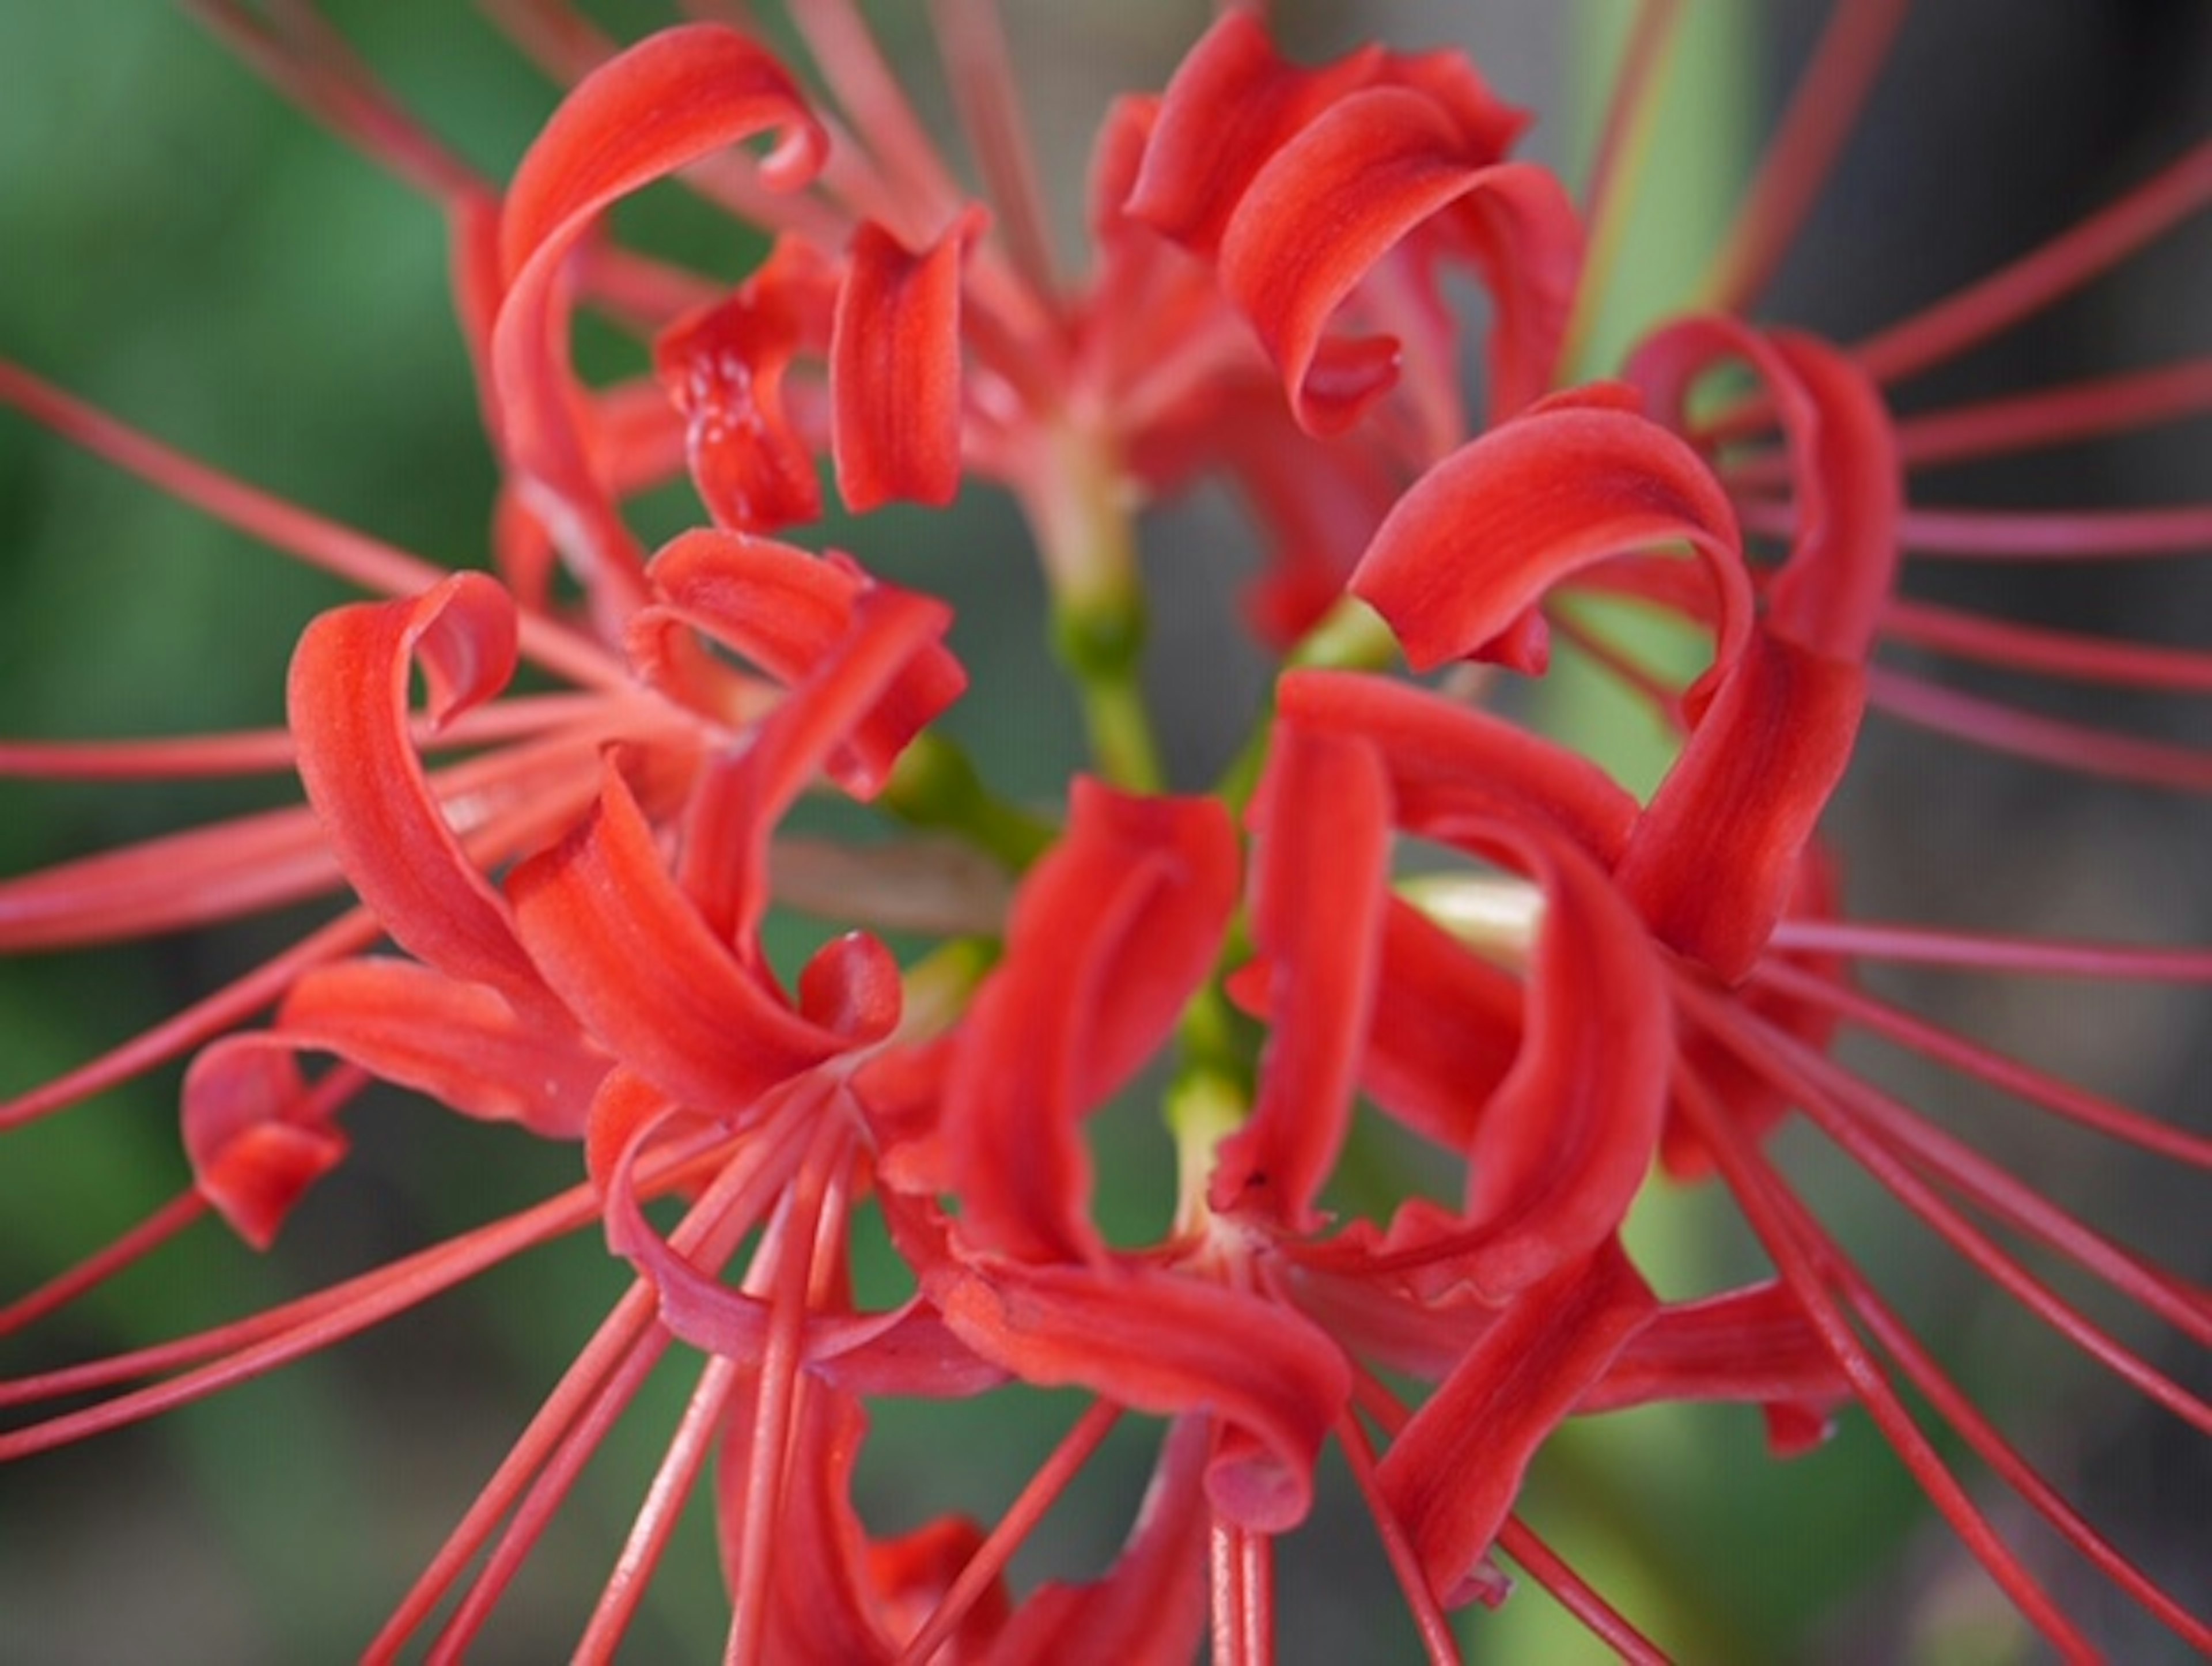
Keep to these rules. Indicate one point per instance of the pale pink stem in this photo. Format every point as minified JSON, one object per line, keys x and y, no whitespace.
{"x":1255,"y":1582}
{"x":1800,"y":1251}
{"x":303,"y":57}
{"x":1438,"y":1642}
{"x":2032,"y":283}
{"x":712,"y":1228}
{"x":270,"y":751}
{"x":2048,"y":653}
{"x":2015,"y":1470}
{"x":980,"y":73}
{"x":2060,"y":1098}
{"x":2003,"y":729}
{"x":354,"y":556}
{"x":95,"y":1269}
{"x":2023,"y":534}
{"x":1014,"y":1526}
{"x":673,"y":1484}
{"x":1824,"y":1091}
{"x":1550,"y":1570}
{"x":1821,"y":112}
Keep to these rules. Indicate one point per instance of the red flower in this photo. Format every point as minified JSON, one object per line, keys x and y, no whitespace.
{"x":1401,"y":916}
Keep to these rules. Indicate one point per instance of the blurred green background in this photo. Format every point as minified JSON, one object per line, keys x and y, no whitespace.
{"x":179,"y":246}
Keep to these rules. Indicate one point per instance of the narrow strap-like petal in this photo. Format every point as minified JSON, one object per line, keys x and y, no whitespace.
{"x":676,"y":97}
{"x":1453,"y":1471}
{"x":348,"y":704}
{"x":895,"y":369}
{"x":1111,"y":933}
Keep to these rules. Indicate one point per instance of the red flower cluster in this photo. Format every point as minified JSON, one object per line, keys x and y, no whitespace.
{"x":565,"y":929}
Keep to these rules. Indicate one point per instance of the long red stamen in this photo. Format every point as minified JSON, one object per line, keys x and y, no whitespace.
{"x":1821,"y":112}
{"x":672,"y":1485}
{"x":1988,"y":951}
{"x":369,"y":562}
{"x":712,"y":1227}
{"x":980,"y":72}
{"x":2023,"y":534}
{"x":1823,"y":1091}
{"x":2046,"y":652}
{"x":1437,"y":1639}
{"x":2034,"y":282}
{"x":2060,"y":1098}
{"x":95,"y":1269}
{"x":1802,"y":1252}
{"x":2081,"y":747}
{"x":1550,"y":1570}
{"x":301,"y":55}
{"x":1014,"y":1527}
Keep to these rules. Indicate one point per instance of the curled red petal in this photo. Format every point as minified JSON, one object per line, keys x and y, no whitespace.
{"x":1562,"y":1146}
{"x":626,"y":950}
{"x":1716,"y":856}
{"x":895,"y":369}
{"x":1447,"y":1037}
{"x":724,"y":367}
{"x":256,"y":1133}
{"x":1756,"y":1344}
{"x":791,"y":613}
{"x":1453,"y":1471}
{"x":1161,"y":1342}
{"x":1486,"y":532}
{"x":1361,"y":176}
{"x":1233,"y":102}
{"x":1451,"y":766}
{"x":1111,"y":932}
{"x":347,"y":699}
{"x":464,"y":1044}
{"x":665,"y":103}
{"x":1322,"y":828}
{"x":1844,"y":465}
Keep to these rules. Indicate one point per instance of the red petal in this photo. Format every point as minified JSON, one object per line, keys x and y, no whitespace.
{"x":1717,"y":853}
{"x":1446,"y":1038}
{"x":895,"y":369}
{"x":1331,"y":202}
{"x":1453,"y":1471}
{"x":348,"y":704}
{"x":1232,"y":104}
{"x":1161,"y":1342}
{"x":666,"y":102}
{"x":724,"y":369}
{"x":1322,"y":831}
{"x":1451,"y":766}
{"x":1111,"y":932}
{"x":1562,"y":1146}
{"x":628,"y":952}
{"x":256,"y":1134}
{"x":1488,"y":532}
{"x":462,"y":1044}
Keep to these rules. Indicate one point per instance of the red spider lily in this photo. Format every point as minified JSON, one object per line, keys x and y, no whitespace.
{"x":1594,"y":983}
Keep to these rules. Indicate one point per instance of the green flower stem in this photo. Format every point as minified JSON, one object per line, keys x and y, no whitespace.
{"x":936,"y":785}
{"x":1076,"y":505}
{"x":1350,"y":636}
